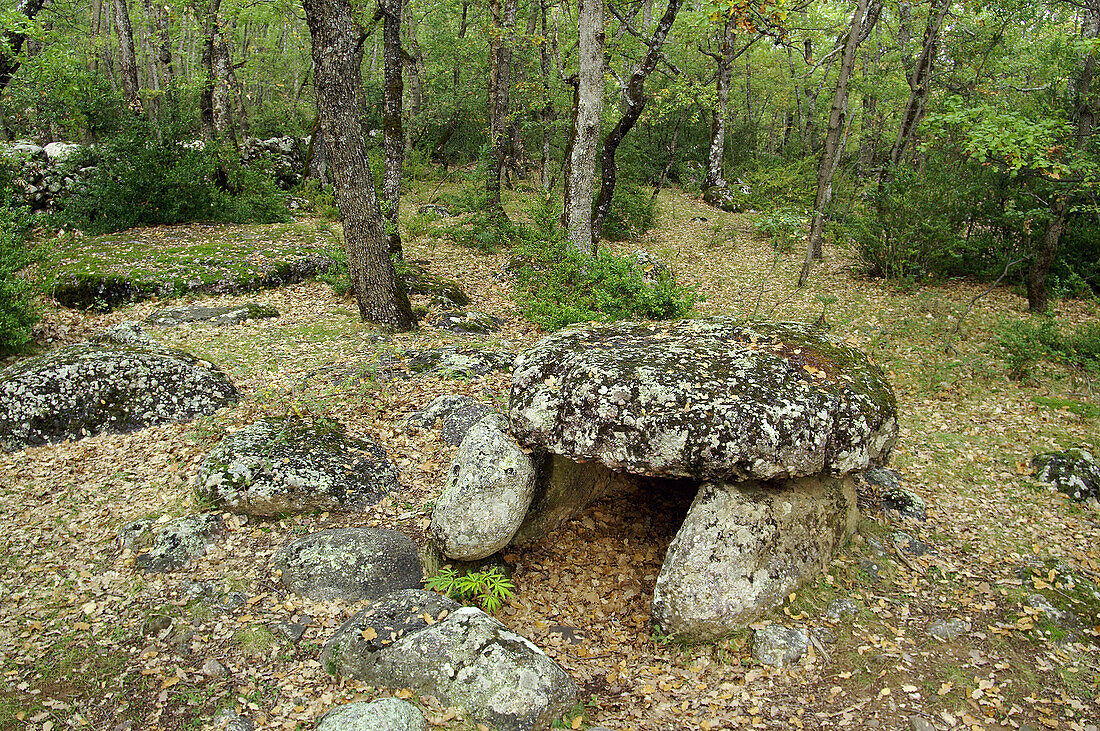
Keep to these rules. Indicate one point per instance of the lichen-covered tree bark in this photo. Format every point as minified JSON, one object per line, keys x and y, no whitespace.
{"x":393,"y":132}
{"x":127,"y":58}
{"x":337,"y":50}
{"x":723,"y":61}
{"x":588,"y":106}
{"x":500,"y":79}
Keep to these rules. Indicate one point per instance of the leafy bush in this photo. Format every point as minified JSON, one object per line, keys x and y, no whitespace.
{"x":17,"y":312}
{"x":140,"y":181}
{"x":785,"y":227}
{"x":557,"y":285}
{"x":1027,"y":342}
{"x":633,"y":212}
{"x":776,"y":181}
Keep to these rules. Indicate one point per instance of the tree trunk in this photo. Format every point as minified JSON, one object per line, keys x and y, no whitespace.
{"x":920,"y":81}
{"x":206,"y":93}
{"x":837,"y":118}
{"x":13,"y":41}
{"x":337,"y":50}
{"x":501,"y":41}
{"x":635,"y":104}
{"x":127,"y":58}
{"x":724,"y":62}
{"x":587,"y":108}
{"x":414,"y":68}
{"x":1084,"y":118}
{"x":225,"y":93}
{"x":393,"y":135}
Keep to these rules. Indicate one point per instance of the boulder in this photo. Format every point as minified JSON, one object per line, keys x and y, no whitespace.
{"x":744,"y":547}
{"x":440,"y":290}
{"x":704,"y":399}
{"x":1074,"y":472}
{"x":458,"y":414}
{"x":61,"y":151}
{"x":174,"y":543}
{"x":124,"y":333}
{"x":288,"y":465}
{"x":491,"y":483}
{"x":779,"y":646}
{"x":384,"y":714}
{"x":23,"y":151}
{"x":354,"y":564}
{"x":231,"y":315}
{"x":466,"y":322}
{"x":88,"y":388}
{"x":721,"y":197}
{"x":462,"y":656}
{"x":407,"y":364}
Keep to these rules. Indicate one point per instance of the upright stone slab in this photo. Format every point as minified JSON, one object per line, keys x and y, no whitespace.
{"x":704,"y":399}
{"x":744,"y":547}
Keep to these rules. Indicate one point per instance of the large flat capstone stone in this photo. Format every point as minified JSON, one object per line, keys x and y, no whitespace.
{"x":88,"y":388}
{"x":705,"y":399}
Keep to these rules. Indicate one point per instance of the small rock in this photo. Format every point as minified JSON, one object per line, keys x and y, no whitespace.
{"x":213,"y":669}
{"x":178,"y":541}
{"x":910,"y":545}
{"x":872,"y":569}
{"x":1040,"y":602}
{"x":458,"y":414}
{"x":778,"y":646}
{"x":384,"y":714}
{"x":229,"y":720}
{"x":949,"y":629}
{"x":1074,"y":472}
{"x":124,"y":333}
{"x":918,"y":723}
{"x":292,"y":631}
{"x":839,"y":607}
{"x":465,"y":321}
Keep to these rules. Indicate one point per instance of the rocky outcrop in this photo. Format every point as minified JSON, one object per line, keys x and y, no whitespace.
{"x":355,"y":564}
{"x":457,"y":414}
{"x":462,"y":656}
{"x":491,"y":483}
{"x":172,"y":544}
{"x":384,"y":714}
{"x":289,"y":465}
{"x":467,"y":322}
{"x":744,"y":547}
{"x":704,"y":399}
{"x":89,"y":388}
{"x":1074,"y":472}
{"x":230,"y":315}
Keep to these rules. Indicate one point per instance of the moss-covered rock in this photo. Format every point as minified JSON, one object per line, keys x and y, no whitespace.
{"x":704,"y":399}
{"x":283,"y":466}
{"x":89,"y":388}
{"x":1074,"y":472}
{"x":229,"y":315}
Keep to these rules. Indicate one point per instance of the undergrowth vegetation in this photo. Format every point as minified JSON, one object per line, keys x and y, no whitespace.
{"x":1026,"y":343}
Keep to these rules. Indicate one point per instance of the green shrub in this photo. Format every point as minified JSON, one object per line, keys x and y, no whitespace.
{"x":785,"y":227}
{"x":488,"y":588}
{"x":557,"y":285}
{"x":633,"y":212}
{"x":140,"y":181}
{"x":1025,"y":343}
{"x":17,"y":311}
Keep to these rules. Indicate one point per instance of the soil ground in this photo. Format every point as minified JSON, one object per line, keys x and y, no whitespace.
{"x":89,"y":642}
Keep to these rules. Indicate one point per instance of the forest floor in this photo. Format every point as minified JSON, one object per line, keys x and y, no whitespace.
{"x":89,"y":642}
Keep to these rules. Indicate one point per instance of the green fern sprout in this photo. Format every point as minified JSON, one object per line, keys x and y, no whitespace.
{"x":488,"y":589}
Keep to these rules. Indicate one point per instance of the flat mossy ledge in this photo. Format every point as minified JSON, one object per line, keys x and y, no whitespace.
{"x":89,"y":388}
{"x":704,"y":399}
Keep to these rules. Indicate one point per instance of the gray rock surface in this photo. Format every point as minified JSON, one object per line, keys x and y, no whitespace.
{"x":706,"y":399}
{"x":465,"y":321}
{"x":457,"y":413}
{"x":384,"y":714}
{"x":88,"y":388}
{"x":124,"y":333}
{"x":744,"y":547}
{"x":355,"y":564}
{"x":174,"y":543}
{"x":840,"y":606}
{"x":462,"y":656}
{"x":779,"y":646}
{"x":61,"y":151}
{"x":229,"y":720}
{"x":287,"y":466}
{"x":1074,"y":472}
{"x":230,"y":315}
{"x":947,"y":630}
{"x":488,"y":491}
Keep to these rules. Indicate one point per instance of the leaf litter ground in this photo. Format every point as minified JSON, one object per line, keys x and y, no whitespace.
{"x":88,"y":642}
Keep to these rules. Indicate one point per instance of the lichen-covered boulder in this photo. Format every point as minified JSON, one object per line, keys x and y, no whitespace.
{"x":229,"y":315}
{"x":281,"y":466}
{"x":124,"y":333}
{"x":356,"y":564}
{"x":778,"y":645}
{"x":744,"y":547}
{"x":704,"y":399}
{"x":491,"y":483}
{"x":1074,"y":472}
{"x":462,"y":656}
{"x":173,"y":543}
{"x":458,"y":414}
{"x":465,"y":321}
{"x":384,"y":714}
{"x":89,"y":388}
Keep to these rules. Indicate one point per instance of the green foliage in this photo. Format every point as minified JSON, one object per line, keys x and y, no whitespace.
{"x":633,"y":212}
{"x":142,"y":181}
{"x":558,"y":285}
{"x":785,"y":227}
{"x":488,"y":588}
{"x":777,"y":181}
{"x":1026,"y":343}
{"x":17,"y":311}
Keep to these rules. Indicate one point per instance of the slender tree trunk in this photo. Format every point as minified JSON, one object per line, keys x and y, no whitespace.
{"x":225,"y":93}
{"x":837,"y":123}
{"x":127,"y":58}
{"x":393,"y":135}
{"x":337,"y":50}
{"x":501,"y":42}
{"x":724,"y":62}
{"x":920,"y":81}
{"x":546,"y":112}
{"x":587,"y":108}
{"x":206,"y":93}
{"x":13,"y":41}
{"x":1084,"y":118}
{"x":635,"y":104}
{"x":415,"y":73}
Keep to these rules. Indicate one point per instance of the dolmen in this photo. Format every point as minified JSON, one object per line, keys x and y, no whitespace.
{"x":770,"y":421}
